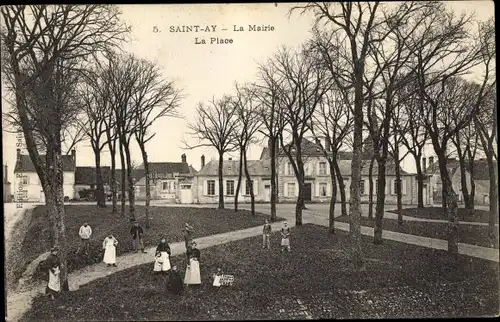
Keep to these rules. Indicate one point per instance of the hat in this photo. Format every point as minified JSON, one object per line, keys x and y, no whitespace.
{"x":193,"y":243}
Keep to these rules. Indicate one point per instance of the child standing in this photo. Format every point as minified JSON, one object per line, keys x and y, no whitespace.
{"x":266,"y":234}
{"x":218,"y":278}
{"x":285,"y":238}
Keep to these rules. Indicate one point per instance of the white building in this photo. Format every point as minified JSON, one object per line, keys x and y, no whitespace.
{"x":27,"y":186}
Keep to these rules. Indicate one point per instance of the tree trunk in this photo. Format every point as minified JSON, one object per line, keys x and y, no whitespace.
{"x":333,"y":200}
{"x":493,"y":192}
{"x":112,"y":152}
{"x":123,"y":175}
{"x":379,"y":208}
{"x":340,"y":180}
{"x":100,"y":197}
{"x":300,"y":202}
{"x":472,"y":193}
{"x":247,"y":175}
{"x":131,"y":184}
{"x":370,"y":184}
{"x":274,"y":183}
{"x":399,"y":193}
{"x":54,"y":195}
{"x":420,"y":181}
{"x":463,"y":177}
{"x":221,"y":182}
{"x":148,"y":185}
{"x":238,"y":185}
{"x":355,"y":199}
{"x":450,"y":200}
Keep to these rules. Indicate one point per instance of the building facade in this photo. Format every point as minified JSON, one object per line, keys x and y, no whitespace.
{"x":27,"y":186}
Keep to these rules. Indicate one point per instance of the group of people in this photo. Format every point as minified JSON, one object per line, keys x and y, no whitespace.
{"x":162,"y":256}
{"x":285,"y":236}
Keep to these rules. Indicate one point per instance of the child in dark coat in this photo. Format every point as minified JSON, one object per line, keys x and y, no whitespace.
{"x":175,"y":284}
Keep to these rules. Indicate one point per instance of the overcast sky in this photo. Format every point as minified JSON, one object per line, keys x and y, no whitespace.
{"x":203,"y":70}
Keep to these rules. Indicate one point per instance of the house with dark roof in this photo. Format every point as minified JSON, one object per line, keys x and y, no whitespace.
{"x":85,"y":178}
{"x":318,"y":179}
{"x":207,"y":181}
{"x":480,"y":177}
{"x":27,"y":185}
{"x":169,"y":181}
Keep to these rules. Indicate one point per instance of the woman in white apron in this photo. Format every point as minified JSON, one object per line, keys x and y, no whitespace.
{"x":109,"y":246}
{"x":162,"y":257}
{"x":193,"y":276}
{"x":54,"y":284}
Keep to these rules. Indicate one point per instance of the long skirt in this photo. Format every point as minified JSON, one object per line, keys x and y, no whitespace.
{"x":162,"y":263}
{"x":285,"y":242}
{"x":110,"y":255}
{"x":193,"y":273}
{"x":54,"y":285}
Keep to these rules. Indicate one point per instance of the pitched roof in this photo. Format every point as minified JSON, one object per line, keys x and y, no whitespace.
{"x":24,"y":163}
{"x":231,"y":168}
{"x":87,"y":175}
{"x":137,"y":174}
{"x":164,"y":168}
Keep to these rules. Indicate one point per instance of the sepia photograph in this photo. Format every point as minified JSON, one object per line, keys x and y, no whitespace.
{"x":329,"y":160}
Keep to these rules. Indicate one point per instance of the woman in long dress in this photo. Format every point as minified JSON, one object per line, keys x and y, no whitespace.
{"x":162,"y":256}
{"x":109,"y":246}
{"x":54,"y":284}
{"x":193,"y":276}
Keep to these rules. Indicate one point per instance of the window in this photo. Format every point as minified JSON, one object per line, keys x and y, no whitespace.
{"x":248,"y":186}
{"x":291,"y":189}
{"x":26,"y":180}
{"x":289,"y":168}
{"x":165,"y":186}
{"x":230,"y":187}
{"x":362,"y":187}
{"x":376,"y":186}
{"x":322,"y":168}
{"x":322,"y":189}
{"x":211,"y":187}
{"x":395,"y":183}
{"x":306,"y":169}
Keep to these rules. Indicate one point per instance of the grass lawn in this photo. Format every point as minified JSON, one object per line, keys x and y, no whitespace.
{"x":477,"y":215}
{"x":468,"y":234}
{"x":167,"y":221}
{"x":400,"y":280}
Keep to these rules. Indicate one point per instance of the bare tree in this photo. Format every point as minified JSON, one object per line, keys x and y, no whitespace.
{"x":215,"y":126}
{"x":304,"y":84}
{"x":446,"y":50}
{"x":345,"y":49}
{"x":485,"y":120}
{"x":249,"y":122}
{"x":333,"y":122}
{"x":44,"y":46}
{"x":268,"y":95}
{"x":153,"y":98}
{"x":96,"y":105}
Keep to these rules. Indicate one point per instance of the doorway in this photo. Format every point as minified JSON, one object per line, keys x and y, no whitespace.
{"x":307,"y":191}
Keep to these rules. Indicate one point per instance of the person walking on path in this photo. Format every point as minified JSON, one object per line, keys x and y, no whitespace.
{"x":174,"y":282}
{"x":85,"y":233}
{"x":193,"y":276}
{"x":162,"y":255}
{"x":188,"y":235}
{"x":136,"y":232}
{"x":109,"y":246}
{"x":54,"y":284}
{"x":285,"y":238}
{"x":266,"y":235}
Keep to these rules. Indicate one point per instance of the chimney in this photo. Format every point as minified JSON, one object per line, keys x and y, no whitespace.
{"x":431,"y":160}
{"x":73,"y":154}
{"x":18,"y":154}
{"x":202,"y":161}
{"x":183,"y":158}
{"x":424,"y":164}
